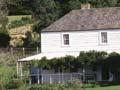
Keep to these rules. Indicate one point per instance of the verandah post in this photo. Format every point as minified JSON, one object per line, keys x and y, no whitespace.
{"x":21,"y":71}
{"x":37,"y":50}
{"x":83,"y":78}
{"x":38,"y":74}
{"x":18,"y":69}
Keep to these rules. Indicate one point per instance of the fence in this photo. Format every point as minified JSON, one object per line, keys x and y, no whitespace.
{"x":60,"y":77}
{"x":21,"y":51}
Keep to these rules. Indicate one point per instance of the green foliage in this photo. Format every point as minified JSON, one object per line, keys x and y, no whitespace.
{"x":4,"y":39}
{"x":72,"y":64}
{"x":14,"y":84}
{"x":9,"y":80}
{"x":88,"y":58}
{"x":6,"y":75}
{"x":17,"y":17}
{"x":32,"y":40}
{"x":9,"y":58}
{"x":71,"y":85}
{"x":74,"y":85}
{"x":18,"y":23}
{"x":19,"y":7}
{"x":45,"y":12}
{"x":48,"y":11}
{"x":23,"y":87}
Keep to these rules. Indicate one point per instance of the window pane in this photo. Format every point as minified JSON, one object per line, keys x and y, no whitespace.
{"x":66,"y":42}
{"x":104,"y":37}
{"x":66,"y":39}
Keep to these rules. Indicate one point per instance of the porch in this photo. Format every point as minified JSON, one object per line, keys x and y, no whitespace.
{"x":109,"y":71}
{"x":38,"y":75}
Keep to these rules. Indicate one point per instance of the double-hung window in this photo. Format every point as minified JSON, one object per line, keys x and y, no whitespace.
{"x":104,"y":38}
{"x":66,"y":41}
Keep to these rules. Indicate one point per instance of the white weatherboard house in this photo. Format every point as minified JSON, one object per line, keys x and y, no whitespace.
{"x":80,"y":30}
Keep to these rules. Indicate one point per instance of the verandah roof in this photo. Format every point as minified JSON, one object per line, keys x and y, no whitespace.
{"x":49,"y":56}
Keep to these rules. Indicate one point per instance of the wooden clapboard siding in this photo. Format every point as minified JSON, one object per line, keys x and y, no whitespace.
{"x":80,"y":41}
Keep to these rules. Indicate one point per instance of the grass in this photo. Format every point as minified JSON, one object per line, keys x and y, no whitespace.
{"x":17,"y":17}
{"x":105,"y":88}
{"x":97,"y":88}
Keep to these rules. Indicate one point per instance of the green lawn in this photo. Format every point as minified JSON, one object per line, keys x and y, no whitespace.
{"x":17,"y":17}
{"x":105,"y":88}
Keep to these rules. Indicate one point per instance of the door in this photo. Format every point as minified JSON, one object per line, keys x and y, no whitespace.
{"x":105,"y":73}
{"x":35,"y":74}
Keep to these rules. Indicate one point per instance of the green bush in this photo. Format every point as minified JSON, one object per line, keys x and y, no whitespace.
{"x":26,"y":20}
{"x":14,"y":84}
{"x":1,"y":85}
{"x":40,"y":87}
{"x":74,"y":84}
{"x":71,"y":85}
{"x":4,"y":39}
{"x":47,"y":87}
{"x":18,"y":23}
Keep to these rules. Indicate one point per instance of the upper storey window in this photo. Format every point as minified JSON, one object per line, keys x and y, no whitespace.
{"x":66,"y":39}
{"x":104,"y":38}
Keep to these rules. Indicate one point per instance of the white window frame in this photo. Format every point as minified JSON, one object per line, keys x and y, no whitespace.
{"x":62,"y":35}
{"x":100,"y":38}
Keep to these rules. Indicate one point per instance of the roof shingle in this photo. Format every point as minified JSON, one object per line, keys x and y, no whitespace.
{"x":87,"y":19}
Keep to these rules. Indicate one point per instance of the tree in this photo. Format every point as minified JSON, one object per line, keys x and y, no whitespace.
{"x":68,"y":5}
{"x":4,"y":37}
{"x":45,"y":12}
{"x":3,"y":14}
{"x":91,"y":57}
{"x":101,"y":3}
{"x":48,"y":11}
{"x":19,"y":7}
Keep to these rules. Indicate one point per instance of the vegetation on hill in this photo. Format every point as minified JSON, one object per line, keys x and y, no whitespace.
{"x":32,"y":16}
{"x":17,"y":17}
{"x":44,"y":12}
{"x":24,"y":37}
{"x":48,"y":11}
{"x":4,"y":36}
{"x":25,"y":7}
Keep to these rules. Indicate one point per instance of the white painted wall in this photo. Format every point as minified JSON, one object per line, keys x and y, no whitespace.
{"x":80,"y":41}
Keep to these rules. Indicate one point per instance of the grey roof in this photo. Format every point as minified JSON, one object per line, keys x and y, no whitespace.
{"x":88,"y":19}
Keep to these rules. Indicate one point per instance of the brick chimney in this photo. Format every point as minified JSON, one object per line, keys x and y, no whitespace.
{"x":85,"y":6}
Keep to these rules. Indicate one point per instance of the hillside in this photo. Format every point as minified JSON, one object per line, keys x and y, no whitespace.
{"x":17,"y":17}
{"x":20,"y":32}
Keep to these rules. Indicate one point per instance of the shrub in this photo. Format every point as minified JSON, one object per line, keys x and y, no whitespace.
{"x":1,"y":85}
{"x":18,"y":23}
{"x":4,"y":39}
{"x":74,"y":84}
{"x":14,"y":84}
{"x":23,"y":87}
{"x":71,"y":85}
{"x":26,"y":20}
{"x":41,"y":87}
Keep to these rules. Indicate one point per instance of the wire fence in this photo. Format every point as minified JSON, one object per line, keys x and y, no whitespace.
{"x":21,"y":51}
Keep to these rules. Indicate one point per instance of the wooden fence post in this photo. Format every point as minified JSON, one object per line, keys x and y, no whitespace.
{"x":23,"y":51}
{"x":11,"y":50}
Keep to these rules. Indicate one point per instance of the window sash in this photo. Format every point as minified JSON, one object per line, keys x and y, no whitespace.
{"x":104,"y":38}
{"x":66,"y":39}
